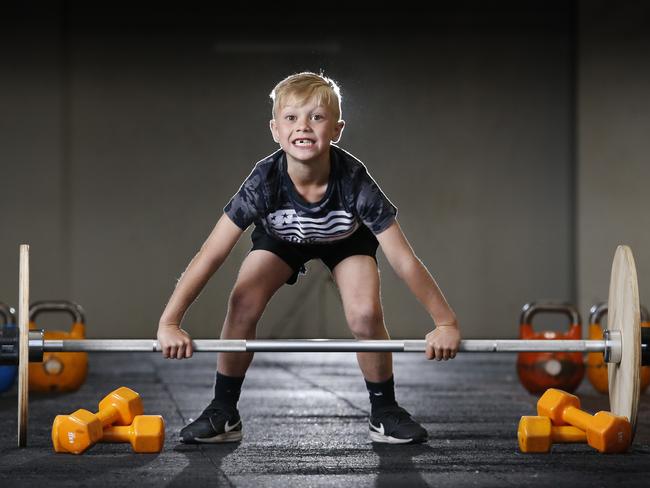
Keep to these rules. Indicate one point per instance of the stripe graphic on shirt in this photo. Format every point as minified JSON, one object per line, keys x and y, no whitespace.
{"x":288,"y":225}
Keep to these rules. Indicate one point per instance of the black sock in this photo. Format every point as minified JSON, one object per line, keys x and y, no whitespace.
{"x":227,"y":389}
{"x":381,"y":394}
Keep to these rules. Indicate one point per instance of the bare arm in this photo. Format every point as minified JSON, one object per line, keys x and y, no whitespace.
{"x":176,"y":342}
{"x":442,"y":343}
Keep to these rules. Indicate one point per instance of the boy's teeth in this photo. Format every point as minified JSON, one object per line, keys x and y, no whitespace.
{"x":303,"y":142}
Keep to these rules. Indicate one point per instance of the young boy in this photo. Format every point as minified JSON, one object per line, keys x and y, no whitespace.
{"x":310,"y":199}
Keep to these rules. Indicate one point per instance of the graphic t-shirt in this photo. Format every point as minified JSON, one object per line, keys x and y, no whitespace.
{"x":269,"y":199}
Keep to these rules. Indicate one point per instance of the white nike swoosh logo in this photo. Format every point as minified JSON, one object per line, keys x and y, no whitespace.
{"x":228,"y":427}
{"x":380,"y":428}
{"x":378,"y":394}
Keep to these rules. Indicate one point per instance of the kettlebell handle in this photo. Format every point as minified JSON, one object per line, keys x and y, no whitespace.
{"x":7,"y":313}
{"x":75,"y":310}
{"x":531,"y":309}
{"x":598,"y":311}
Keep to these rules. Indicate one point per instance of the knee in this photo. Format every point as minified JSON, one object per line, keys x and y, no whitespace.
{"x":245,"y":307}
{"x":366,"y":321}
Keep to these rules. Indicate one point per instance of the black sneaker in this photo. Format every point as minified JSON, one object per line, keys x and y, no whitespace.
{"x":218,"y":423}
{"x":394,"y":425}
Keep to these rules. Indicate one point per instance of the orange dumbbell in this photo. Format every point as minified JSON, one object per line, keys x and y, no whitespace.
{"x":80,"y":430}
{"x":146,"y":433}
{"x":605,"y":432}
{"x":537,"y":434}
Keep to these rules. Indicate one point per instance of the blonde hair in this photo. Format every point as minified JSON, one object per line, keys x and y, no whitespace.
{"x":306,"y":85}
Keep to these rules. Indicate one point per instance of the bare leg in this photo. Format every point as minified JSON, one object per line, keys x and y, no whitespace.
{"x":358,"y":280}
{"x":261,"y":274}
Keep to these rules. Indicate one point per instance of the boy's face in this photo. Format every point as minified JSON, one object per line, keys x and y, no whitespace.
{"x":305,"y":130}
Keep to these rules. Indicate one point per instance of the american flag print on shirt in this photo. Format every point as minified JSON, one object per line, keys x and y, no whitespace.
{"x":288,"y":225}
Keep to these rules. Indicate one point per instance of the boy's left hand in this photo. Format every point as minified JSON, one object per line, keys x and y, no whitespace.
{"x":442,"y":342}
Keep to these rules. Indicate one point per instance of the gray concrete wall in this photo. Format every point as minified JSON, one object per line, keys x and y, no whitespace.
{"x":613,"y":143}
{"x":141,"y":126}
{"x":34,"y":201}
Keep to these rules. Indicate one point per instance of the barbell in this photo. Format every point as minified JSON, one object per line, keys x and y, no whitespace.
{"x":625,"y":345}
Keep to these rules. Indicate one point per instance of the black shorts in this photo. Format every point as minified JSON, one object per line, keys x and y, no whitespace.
{"x":361,"y":242}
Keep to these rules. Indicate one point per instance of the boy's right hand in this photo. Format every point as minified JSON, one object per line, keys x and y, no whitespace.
{"x":174,"y":341}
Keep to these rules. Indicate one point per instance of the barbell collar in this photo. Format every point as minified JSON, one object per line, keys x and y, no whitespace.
{"x":613,"y":346}
{"x":9,"y":347}
{"x":645,"y":346}
{"x":35,"y":342}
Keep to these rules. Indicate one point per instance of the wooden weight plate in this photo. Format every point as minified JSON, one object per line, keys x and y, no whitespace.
{"x":624,"y":316}
{"x":23,"y":345}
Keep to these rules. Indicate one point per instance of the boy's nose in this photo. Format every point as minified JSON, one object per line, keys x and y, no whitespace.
{"x":304,"y":125}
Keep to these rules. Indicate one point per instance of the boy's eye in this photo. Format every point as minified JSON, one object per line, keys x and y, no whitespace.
{"x":290,"y":117}
{"x":317,"y":116}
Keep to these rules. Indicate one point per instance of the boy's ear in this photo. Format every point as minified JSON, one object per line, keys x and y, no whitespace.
{"x":274,"y":131}
{"x":338,"y":131}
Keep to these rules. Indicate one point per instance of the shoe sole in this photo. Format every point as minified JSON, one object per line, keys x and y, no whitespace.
{"x":387,"y":439}
{"x":235,"y":436}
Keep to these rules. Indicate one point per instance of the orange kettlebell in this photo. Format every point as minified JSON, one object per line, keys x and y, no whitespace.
{"x":596,"y":365}
{"x":539,"y":371}
{"x":59,"y":371}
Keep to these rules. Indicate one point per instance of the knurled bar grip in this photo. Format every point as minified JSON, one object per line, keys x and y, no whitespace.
{"x":325,"y":345}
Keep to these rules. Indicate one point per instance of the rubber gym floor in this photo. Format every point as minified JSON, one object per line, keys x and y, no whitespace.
{"x":305,"y":424}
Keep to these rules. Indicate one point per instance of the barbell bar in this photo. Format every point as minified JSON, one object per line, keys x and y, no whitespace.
{"x":624,"y":345}
{"x":611,"y":346}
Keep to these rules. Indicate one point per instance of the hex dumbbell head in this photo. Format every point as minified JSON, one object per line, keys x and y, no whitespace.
{"x":148,"y":433}
{"x":538,"y":434}
{"x":127,"y":403}
{"x":553,"y":403}
{"x":534,"y":434}
{"x":609,"y":433}
{"x":76,"y":432}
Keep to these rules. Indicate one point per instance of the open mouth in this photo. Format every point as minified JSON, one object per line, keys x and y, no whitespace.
{"x":304,"y":142}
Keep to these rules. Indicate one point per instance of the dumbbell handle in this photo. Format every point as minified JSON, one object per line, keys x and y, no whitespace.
{"x":118,"y":433}
{"x":108,"y":415}
{"x":567,"y":433}
{"x":578,"y":418}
